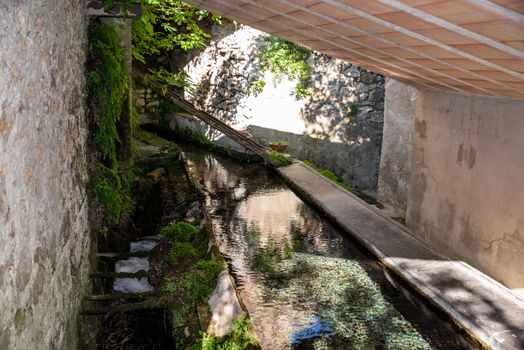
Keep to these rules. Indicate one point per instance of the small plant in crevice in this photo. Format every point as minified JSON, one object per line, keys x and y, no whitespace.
{"x":107,"y":86}
{"x":256,"y":86}
{"x":278,"y":159}
{"x":353,"y":110}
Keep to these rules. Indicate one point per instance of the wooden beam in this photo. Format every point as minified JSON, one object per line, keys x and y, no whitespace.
{"x":138,"y":254}
{"x":416,"y":51}
{"x":120,"y":296}
{"x":157,"y":303}
{"x":344,"y":47}
{"x":349,"y":26}
{"x":453,"y":27}
{"x":138,"y":274}
{"x":501,"y":10}
{"x":397,"y":28}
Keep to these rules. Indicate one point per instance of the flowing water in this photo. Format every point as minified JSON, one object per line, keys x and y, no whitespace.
{"x":305,"y":283}
{"x":135,"y":264}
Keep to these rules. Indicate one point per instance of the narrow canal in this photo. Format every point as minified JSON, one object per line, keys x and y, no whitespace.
{"x":305,"y":283}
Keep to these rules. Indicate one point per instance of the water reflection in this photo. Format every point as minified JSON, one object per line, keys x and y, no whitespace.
{"x":301,"y":280}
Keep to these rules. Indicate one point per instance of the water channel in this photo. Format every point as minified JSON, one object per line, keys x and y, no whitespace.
{"x":305,"y":283}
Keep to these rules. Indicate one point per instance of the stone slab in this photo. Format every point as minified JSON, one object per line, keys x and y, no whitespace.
{"x":484,"y":308}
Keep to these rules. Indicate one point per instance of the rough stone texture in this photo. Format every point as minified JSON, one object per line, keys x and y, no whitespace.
{"x":397,"y":142}
{"x":227,"y":68}
{"x":465,"y":193}
{"x":44,"y":235}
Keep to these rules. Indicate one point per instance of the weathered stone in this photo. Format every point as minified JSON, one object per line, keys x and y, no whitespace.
{"x":42,"y":150}
{"x":335,"y":86}
{"x":224,"y":306}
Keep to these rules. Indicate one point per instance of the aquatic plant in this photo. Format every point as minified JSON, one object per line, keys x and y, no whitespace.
{"x":181,"y":231}
{"x":181,"y":250}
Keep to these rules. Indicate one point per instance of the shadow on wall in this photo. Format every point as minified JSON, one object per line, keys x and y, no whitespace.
{"x":225,"y":71}
{"x":343,"y":111}
{"x":349,"y":161}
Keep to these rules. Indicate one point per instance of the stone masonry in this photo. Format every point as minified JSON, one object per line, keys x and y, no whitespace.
{"x":44,"y":234}
{"x":227,"y":68}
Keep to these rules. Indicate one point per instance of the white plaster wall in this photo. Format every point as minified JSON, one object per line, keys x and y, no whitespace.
{"x":466,"y":191}
{"x":397,"y":143}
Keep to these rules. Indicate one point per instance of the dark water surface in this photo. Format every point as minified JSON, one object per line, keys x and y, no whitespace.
{"x":306,"y":284}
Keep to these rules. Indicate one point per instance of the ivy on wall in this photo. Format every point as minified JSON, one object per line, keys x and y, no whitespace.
{"x":107,"y":85}
{"x":285,"y":58}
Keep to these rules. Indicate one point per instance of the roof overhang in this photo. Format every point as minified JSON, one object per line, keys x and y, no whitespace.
{"x":466,"y":46}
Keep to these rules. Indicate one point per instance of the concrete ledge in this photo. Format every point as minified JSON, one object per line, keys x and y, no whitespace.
{"x":484,"y":308}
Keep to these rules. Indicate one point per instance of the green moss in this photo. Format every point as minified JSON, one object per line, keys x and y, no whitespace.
{"x":181,"y":250}
{"x":181,"y":231}
{"x":353,"y":110}
{"x":107,"y":85}
{"x":278,"y":159}
{"x":329,"y":174}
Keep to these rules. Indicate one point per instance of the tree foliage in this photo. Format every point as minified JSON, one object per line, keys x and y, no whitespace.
{"x":285,"y":58}
{"x":166,"y":25}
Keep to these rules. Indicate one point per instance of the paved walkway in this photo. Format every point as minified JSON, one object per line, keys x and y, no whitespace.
{"x":487,"y":310}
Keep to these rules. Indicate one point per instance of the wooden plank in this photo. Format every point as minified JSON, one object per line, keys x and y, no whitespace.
{"x":157,"y":303}
{"x":121,"y":296}
{"x":110,"y":275}
{"x":124,"y":255}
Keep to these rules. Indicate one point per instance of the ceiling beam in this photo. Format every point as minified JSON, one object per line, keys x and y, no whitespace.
{"x":453,"y":27}
{"x":389,"y":42}
{"x":429,"y":41}
{"x":355,"y":52}
{"x":501,"y":10}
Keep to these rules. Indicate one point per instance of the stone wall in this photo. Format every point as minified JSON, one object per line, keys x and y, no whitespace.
{"x":467,"y":176}
{"x":44,"y":235}
{"x":227,"y":68}
{"x":397,"y":144}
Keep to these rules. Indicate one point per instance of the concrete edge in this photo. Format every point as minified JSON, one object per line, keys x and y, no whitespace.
{"x":406,"y":230}
{"x":485,"y":339}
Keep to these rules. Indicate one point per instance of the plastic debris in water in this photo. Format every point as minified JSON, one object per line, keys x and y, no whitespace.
{"x":313,"y":328}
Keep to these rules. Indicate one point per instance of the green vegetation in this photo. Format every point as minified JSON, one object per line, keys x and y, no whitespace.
{"x":167,"y":25}
{"x":278,"y":159}
{"x":181,"y":231}
{"x":284,"y":58}
{"x":329,"y":174}
{"x":107,"y":85}
{"x":353,"y":110}
{"x":181,"y":250}
{"x":197,"y":137}
{"x":192,"y":287}
{"x":256,"y":86}
{"x":240,"y":338}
